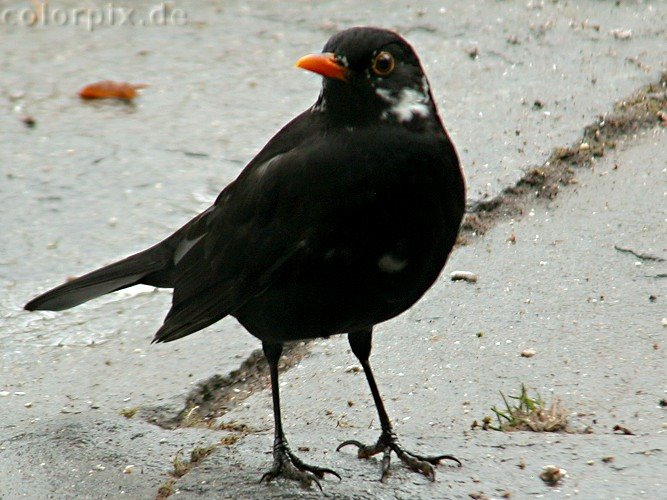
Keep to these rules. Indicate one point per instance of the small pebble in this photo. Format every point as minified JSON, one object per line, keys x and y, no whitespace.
{"x":463,"y":276}
{"x":29,"y":121}
{"x":353,"y":369}
{"x":621,"y":34}
{"x":528,"y":353}
{"x":552,"y":475}
{"x":128,"y":469}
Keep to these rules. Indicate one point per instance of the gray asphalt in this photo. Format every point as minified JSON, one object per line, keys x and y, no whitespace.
{"x":96,"y":181}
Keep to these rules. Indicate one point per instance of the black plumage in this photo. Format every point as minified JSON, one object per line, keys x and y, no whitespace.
{"x":342,"y":221}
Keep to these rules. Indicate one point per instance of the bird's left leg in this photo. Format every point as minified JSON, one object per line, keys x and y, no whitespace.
{"x":285,"y":463}
{"x":361,"y":346}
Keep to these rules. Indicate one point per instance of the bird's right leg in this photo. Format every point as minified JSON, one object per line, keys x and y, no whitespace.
{"x":285,"y":463}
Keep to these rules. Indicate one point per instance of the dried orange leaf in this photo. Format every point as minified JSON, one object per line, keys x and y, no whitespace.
{"x":108,"y":89}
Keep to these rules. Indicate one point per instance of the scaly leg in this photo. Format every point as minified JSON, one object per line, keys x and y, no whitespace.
{"x":285,"y":463}
{"x":388,"y":441}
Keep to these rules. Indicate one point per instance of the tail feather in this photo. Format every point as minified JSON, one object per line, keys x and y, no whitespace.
{"x":194,"y":314}
{"x":122,"y":274}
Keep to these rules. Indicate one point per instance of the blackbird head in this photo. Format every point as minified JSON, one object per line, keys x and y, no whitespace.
{"x":371,"y":74}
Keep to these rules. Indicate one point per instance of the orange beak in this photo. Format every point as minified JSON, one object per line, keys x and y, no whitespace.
{"x":323,"y":64}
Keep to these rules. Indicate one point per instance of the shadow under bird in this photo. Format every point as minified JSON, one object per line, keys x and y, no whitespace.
{"x":342,"y":221}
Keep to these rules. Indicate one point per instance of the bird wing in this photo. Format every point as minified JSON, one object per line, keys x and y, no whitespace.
{"x":230,"y":252}
{"x":235,"y":248}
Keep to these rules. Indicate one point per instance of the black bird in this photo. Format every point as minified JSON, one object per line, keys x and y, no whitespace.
{"x":341,"y":222}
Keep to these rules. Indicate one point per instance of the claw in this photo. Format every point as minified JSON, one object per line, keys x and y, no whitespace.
{"x":363,"y":451}
{"x":313,"y":469}
{"x":386,"y":462}
{"x":435,"y":460}
{"x":348,"y":443}
{"x":387,"y":443}
{"x":289,"y":466}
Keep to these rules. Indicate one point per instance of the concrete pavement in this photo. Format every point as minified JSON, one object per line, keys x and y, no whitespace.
{"x":514,"y":81}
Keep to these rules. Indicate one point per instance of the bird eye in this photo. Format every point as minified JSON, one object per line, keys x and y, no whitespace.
{"x":383,"y":64}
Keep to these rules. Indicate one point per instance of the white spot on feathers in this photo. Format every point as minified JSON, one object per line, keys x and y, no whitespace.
{"x":261,"y":169}
{"x":408,"y":104}
{"x":184,"y":247}
{"x":391,"y":264}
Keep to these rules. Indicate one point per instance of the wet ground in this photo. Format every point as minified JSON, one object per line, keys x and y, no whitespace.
{"x":515,"y":80}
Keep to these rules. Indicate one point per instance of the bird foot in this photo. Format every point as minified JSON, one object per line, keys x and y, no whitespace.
{"x":286,"y":464}
{"x":387,"y":443}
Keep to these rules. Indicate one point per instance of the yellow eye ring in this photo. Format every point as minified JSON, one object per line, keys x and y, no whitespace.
{"x":383,"y":64}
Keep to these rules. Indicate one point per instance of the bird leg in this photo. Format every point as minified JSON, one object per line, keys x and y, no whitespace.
{"x":285,"y":463}
{"x":388,"y":441}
